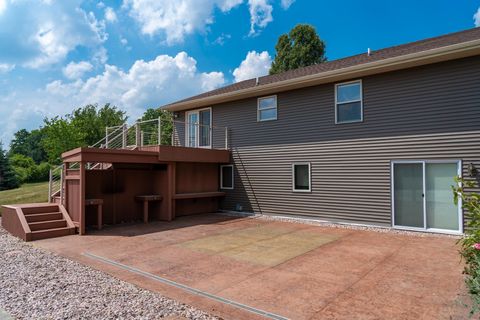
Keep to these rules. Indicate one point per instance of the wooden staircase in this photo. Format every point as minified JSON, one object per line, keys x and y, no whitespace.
{"x":37,"y":221}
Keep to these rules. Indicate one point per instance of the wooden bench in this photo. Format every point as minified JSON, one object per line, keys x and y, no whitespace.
{"x":197,"y":195}
{"x":146,"y":199}
{"x":99,"y":204}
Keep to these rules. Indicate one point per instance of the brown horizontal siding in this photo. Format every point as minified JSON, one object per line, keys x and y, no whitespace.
{"x":350,"y":181}
{"x":424,"y":113}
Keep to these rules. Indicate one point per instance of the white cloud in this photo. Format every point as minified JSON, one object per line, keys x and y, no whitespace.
{"x":286,"y":3}
{"x":75,"y":70}
{"x":100,"y":56}
{"x":254,"y":65}
{"x":175,"y":19}
{"x":260,"y":14}
{"x":45,"y":32}
{"x":5,"y":67}
{"x":476,"y":18}
{"x":123,"y":41}
{"x":3,"y":6}
{"x":110,"y":15}
{"x":222,"y":39}
{"x":145,"y":84}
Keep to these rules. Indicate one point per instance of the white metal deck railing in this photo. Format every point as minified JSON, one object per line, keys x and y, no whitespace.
{"x":147,"y":133}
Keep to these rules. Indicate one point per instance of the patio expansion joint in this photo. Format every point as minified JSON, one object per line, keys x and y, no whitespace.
{"x":368,"y":272}
{"x":186,"y":288}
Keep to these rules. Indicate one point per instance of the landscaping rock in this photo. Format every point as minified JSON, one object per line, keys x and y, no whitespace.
{"x":37,"y":284}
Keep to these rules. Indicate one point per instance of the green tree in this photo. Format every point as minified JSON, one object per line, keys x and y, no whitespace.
{"x":29,"y":144}
{"x":92,"y":122}
{"x":23,"y":166}
{"x":8,"y":179}
{"x":60,"y":136}
{"x":301,"y":47}
{"x":166,"y":123}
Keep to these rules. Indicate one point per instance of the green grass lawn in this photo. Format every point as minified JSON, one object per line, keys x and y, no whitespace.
{"x":27,"y":193}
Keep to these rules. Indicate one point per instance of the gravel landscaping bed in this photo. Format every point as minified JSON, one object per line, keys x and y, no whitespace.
{"x":36,"y":284}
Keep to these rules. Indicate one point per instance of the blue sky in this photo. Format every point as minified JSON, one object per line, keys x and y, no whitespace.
{"x":57,"y":55}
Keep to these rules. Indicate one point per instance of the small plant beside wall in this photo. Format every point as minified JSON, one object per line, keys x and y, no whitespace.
{"x":470,"y":243}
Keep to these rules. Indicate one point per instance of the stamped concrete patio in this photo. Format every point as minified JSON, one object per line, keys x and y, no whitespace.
{"x":239,"y":268}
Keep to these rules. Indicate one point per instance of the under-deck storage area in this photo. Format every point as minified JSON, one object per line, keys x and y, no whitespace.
{"x":106,"y":187}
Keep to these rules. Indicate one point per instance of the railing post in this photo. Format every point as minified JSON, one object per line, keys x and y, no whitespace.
{"x":124,"y":136}
{"x":142,"y":136}
{"x":137,"y":134}
{"x":226,"y":138}
{"x":173,"y":133}
{"x":50,"y":186}
{"x":106,"y":137}
{"x":159,"y":131}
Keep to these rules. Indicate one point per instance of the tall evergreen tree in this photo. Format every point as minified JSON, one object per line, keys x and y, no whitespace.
{"x":301,"y":47}
{"x":8,"y":179}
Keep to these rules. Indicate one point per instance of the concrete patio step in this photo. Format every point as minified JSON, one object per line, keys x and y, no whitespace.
{"x":40,"y":217}
{"x":51,"y":224}
{"x":52,"y":233}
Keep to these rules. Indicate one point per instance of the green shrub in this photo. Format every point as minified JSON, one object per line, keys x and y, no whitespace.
{"x":27,"y":171}
{"x":470,"y":242}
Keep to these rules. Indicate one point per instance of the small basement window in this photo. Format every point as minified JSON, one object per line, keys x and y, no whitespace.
{"x":301,"y":181}
{"x":226,"y":176}
{"x":267,"y":108}
{"x":348,"y":102}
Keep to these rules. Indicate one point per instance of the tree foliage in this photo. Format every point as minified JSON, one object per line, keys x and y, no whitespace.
{"x":83,"y":127}
{"x":27,"y":170}
{"x":166,"y":124}
{"x":8,"y":179}
{"x":28,"y":143}
{"x":92,"y":122}
{"x":301,"y":47}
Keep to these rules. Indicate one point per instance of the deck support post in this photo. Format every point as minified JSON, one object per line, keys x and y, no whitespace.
{"x":81,"y":228}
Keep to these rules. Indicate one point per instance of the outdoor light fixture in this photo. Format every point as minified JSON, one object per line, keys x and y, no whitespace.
{"x":176,"y":115}
{"x":472,"y":171}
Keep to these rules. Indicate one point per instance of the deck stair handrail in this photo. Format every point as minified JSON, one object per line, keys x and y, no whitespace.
{"x":55,"y":184}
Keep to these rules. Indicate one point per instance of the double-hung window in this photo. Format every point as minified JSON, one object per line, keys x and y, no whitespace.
{"x":267,"y":108}
{"x":301,"y":181}
{"x":348,"y":102}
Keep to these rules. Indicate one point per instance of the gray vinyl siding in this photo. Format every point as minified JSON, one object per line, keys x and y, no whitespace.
{"x":425,"y":113}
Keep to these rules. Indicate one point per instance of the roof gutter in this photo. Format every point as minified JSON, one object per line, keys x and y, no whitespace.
{"x":451,"y":52}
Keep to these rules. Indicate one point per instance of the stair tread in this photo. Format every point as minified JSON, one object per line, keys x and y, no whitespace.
{"x":46,"y":221}
{"x":53,"y":229}
{"x":40,"y":213}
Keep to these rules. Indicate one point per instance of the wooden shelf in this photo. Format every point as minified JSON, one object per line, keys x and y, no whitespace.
{"x":199,"y":195}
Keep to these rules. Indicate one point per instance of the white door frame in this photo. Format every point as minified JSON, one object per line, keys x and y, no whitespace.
{"x":197,"y":128}
{"x":425,"y":229}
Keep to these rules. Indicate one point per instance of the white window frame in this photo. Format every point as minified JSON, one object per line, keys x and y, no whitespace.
{"x":309,"y":177}
{"x":345,"y":102}
{"x":221,"y":176}
{"x":425,"y":228}
{"x":258,"y":108}
{"x":187,"y":131}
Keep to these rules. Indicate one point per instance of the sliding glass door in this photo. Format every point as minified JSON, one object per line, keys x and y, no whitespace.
{"x":422,"y":195}
{"x":199,"y":129}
